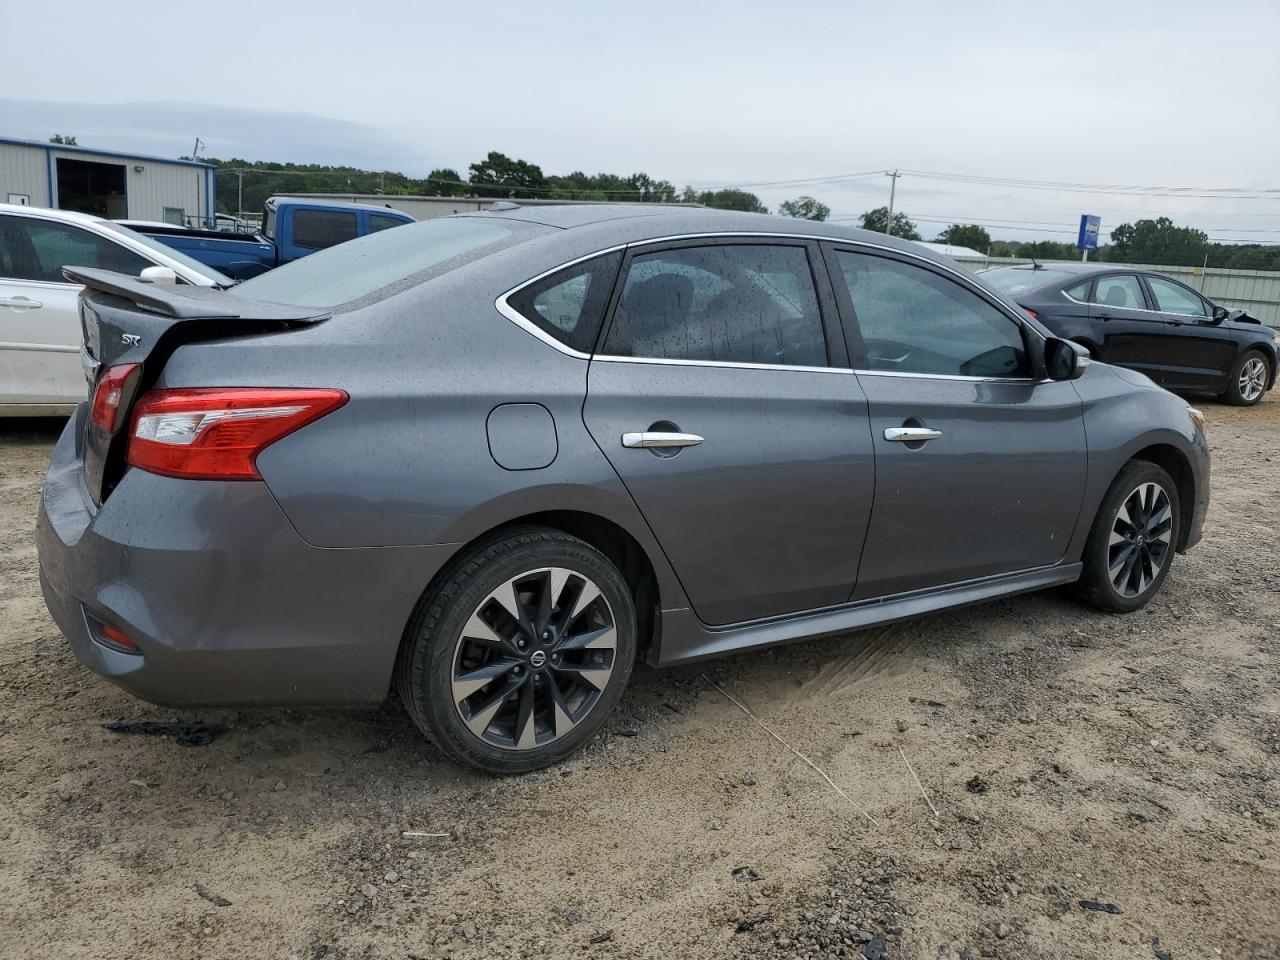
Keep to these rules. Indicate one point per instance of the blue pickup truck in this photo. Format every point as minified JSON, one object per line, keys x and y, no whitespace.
{"x":291,"y":228}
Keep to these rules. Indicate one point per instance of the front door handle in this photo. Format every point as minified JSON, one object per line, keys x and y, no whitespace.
{"x":21,"y":303}
{"x":911,"y":434}
{"x":652,"y":438}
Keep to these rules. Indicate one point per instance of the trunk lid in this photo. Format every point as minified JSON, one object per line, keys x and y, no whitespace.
{"x":125,"y":320}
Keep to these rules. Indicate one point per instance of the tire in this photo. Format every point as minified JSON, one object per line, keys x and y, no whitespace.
{"x":1122,"y":575}
{"x":1248,"y":379}
{"x":509,"y":663}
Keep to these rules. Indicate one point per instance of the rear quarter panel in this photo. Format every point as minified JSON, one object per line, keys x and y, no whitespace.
{"x":407,"y":460}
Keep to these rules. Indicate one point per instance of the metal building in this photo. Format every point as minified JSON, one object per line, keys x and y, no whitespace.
{"x":120,"y":186}
{"x":427,"y":208}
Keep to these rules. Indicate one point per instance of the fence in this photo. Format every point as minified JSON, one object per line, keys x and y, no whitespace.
{"x":1257,"y":291}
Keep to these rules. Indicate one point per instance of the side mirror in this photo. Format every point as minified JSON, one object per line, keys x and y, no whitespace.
{"x":1064,"y":360}
{"x":158,"y":275}
{"x":1220,"y":314}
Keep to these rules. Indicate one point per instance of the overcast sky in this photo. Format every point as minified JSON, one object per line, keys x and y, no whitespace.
{"x":1173,"y":93}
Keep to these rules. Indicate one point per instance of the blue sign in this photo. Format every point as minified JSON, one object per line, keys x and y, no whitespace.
{"x":1089,"y":225}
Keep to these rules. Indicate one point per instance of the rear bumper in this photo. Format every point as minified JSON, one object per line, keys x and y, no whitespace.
{"x":227,"y":604}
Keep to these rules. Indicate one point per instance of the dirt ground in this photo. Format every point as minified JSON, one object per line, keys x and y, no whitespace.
{"x":1106,"y":787}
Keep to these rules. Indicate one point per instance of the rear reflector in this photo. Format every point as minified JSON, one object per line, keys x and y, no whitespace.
{"x":109,"y":394}
{"x":110,"y":636}
{"x":216,"y":433}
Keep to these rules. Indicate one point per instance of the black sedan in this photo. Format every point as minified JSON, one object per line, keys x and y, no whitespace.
{"x":1149,"y":323}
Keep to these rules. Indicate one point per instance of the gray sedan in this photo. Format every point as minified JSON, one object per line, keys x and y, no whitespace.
{"x":494,"y":459}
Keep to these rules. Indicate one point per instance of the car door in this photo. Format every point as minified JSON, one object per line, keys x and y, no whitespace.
{"x":720,"y":392}
{"x":1133,"y":334}
{"x":39,"y":311}
{"x":980,"y":463}
{"x":1199,"y":352}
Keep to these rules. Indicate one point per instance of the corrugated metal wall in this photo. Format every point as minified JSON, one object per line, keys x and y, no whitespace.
{"x":24,"y":171}
{"x":151,"y":184}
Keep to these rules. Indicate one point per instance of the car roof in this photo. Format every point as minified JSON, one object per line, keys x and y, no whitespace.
{"x":335,"y":204}
{"x":632,"y":222}
{"x":67,"y":216}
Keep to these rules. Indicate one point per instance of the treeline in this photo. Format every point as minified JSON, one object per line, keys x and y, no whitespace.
{"x":244,"y":184}
{"x":1158,"y":241}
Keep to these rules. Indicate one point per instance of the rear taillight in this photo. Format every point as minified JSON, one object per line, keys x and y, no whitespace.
{"x":216,"y":433}
{"x":1032,"y":314}
{"x":108,"y":396}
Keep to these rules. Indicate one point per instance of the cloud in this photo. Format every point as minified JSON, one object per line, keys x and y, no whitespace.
{"x":170,"y":130}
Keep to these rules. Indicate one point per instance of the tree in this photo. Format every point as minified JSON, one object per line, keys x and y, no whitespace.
{"x":63,"y":139}
{"x":966,"y":235}
{"x":805,"y":208}
{"x":497,"y":175}
{"x":729,"y":199}
{"x":445,"y":182}
{"x":878,"y":218}
{"x":1158,"y":242}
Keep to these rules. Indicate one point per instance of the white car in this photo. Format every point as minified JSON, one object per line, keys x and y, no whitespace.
{"x":40,"y":369}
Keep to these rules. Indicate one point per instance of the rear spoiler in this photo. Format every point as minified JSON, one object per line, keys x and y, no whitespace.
{"x":188,"y":302}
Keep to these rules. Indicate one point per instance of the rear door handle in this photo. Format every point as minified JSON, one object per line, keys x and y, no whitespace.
{"x":911,"y":434}
{"x":650,"y":438}
{"x":21,"y":303}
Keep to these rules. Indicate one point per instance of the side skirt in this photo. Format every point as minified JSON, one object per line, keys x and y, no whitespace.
{"x":685,"y":638}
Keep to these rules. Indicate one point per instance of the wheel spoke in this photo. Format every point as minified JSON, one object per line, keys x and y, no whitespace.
{"x":479,"y":631}
{"x":468,"y":683}
{"x":590,"y":673}
{"x":1158,"y":517}
{"x":586,"y":596}
{"x":603,"y":638}
{"x":526,"y":727}
{"x":478,"y":719}
{"x":560,"y":719}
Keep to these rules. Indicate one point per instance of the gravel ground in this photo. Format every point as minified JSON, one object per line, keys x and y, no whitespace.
{"x":1105,"y":787}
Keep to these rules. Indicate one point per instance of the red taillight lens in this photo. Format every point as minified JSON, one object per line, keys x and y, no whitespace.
{"x":109,"y":395}
{"x":1032,"y":314}
{"x":116,"y":637}
{"x":216,"y":433}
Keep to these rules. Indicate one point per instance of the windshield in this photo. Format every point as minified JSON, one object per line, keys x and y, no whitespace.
{"x":358,"y":268}
{"x":155,"y":245}
{"x":1016,"y":279}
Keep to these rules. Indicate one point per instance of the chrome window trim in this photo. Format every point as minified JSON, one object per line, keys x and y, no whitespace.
{"x":730,"y":364}
{"x":949,"y":376}
{"x":503,"y":307}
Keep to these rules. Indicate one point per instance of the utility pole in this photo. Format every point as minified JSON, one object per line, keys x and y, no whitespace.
{"x":239,"y":196}
{"x":893,"y":186}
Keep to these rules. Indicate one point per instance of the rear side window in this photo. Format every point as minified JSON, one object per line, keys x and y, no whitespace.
{"x":1079,"y":292}
{"x":730,"y":303}
{"x":1172,"y":298}
{"x":1122,"y":291}
{"x":319,"y":229}
{"x":914,"y":321}
{"x":32,"y":249}
{"x":352,"y":271}
{"x":378,"y":222}
{"x":570,"y":305}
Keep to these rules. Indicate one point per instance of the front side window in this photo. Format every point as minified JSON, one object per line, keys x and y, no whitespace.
{"x":570,"y":305}
{"x":729,"y":303}
{"x":318,"y":229}
{"x":1174,"y":298}
{"x":914,"y":321}
{"x":32,"y":249}
{"x":1122,"y":291}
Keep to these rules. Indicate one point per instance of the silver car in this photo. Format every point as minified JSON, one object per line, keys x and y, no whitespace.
{"x":494,"y":459}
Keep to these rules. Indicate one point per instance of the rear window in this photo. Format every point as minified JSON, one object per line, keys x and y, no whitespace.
{"x":1013,"y":280}
{"x":355,"y":270}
